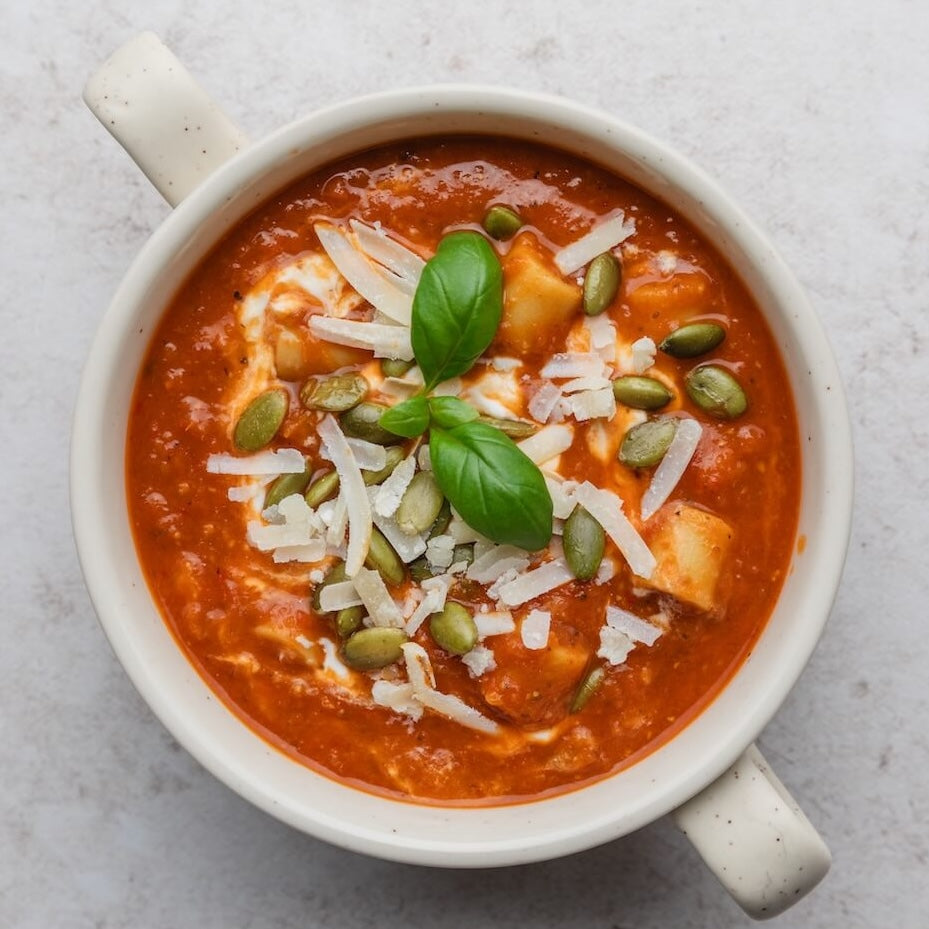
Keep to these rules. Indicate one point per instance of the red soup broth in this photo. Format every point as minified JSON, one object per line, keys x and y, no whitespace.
{"x":248,"y":624}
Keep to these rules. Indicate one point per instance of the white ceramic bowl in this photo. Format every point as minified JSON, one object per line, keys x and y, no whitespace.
{"x":363,"y":822}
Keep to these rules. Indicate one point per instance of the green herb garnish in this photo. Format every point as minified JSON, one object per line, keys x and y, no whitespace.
{"x":457,"y":308}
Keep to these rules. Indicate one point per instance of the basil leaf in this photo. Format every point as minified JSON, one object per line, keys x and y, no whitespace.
{"x":448,"y":412}
{"x":409,"y":419}
{"x":494,"y":486}
{"x":457,"y":306}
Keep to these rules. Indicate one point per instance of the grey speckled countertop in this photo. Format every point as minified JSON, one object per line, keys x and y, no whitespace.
{"x":814,"y":115}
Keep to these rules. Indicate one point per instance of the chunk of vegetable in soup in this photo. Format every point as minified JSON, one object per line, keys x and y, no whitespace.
{"x":481,"y":584}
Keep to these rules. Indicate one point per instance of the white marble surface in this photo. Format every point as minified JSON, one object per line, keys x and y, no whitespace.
{"x":815,"y":115}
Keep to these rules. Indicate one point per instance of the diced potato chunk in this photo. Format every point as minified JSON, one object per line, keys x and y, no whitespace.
{"x":680,"y":293}
{"x":534,"y":687}
{"x":539,"y":305}
{"x":690,"y":546}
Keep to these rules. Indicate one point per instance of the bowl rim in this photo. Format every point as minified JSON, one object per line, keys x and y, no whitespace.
{"x":413,"y":105}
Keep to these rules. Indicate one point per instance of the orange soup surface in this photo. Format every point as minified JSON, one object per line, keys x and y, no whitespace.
{"x":310,"y":563}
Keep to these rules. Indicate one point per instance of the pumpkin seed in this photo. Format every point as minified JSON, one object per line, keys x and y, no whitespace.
{"x":454,"y":629}
{"x":716,"y":392}
{"x":514,"y":429}
{"x":584,"y":541}
{"x":394,"y":367}
{"x":322,"y":489}
{"x":645,"y":445}
{"x":335,"y":393}
{"x":261,"y":419}
{"x":442,"y":521}
{"x":463,"y":552}
{"x":692,"y":340}
{"x":420,"y":569}
{"x":285,"y":485}
{"x":336,"y":574}
{"x":601,"y":283}
{"x":369,"y":649}
{"x":395,"y":455}
{"x":383,"y":559}
{"x":348,"y":619}
{"x":363,"y":422}
{"x":501,"y":223}
{"x":420,"y":504}
{"x":587,"y":688}
{"x":641,"y":393}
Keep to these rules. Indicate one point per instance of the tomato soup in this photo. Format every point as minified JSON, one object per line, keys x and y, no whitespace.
{"x":464,"y":471}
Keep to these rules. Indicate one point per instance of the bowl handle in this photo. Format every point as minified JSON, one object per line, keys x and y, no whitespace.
{"x":167,"y":123}
{"x":755,"y":838}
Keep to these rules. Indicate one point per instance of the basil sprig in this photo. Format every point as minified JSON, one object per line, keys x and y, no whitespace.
{"x":457,"y":307}
{"x":492,"y":484}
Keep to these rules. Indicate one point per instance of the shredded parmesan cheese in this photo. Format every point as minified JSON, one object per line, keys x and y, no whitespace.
{"x":601,"y":238}
{"x":593,"y":404}
{"x":547,"y":443}
{"x":397,"y":697}
{"x":267,"y":463}
{"x":391,"y":491}
{"x":535,"y":628}
{"x":385,"y":341}
{"x":352,"y":491}
{"x":672,"y":467}
{"x":614,"y":645}
{"x":338,"y":596}
{"x":419,"y":670}
{"x":544,"y":401}
{"x":376,"y":599}
{"x":534,"y":583}
{"x":363,"y":276}
{"x":494,"y":623}
{"x":643,"y":354}
{"x":406,"y":264}
{"x":479,"y":660}
{"x":574,"y":364}
{"x":632,"y":626}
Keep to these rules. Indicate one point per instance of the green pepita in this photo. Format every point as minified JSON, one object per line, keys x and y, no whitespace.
{"x":641,"y":393}
{"x":334,"y":393}
{"x":514,"y":429}
{"x":645,"y":445}
{"x":420,"y":569}
{"x":335,"y":575}
{"x":454,"y":629}
{"x":587,"y":688}
{"x":584,"y":541}
{"x":420,"y":505}
{"x":394,"y":367}
{"x":442,"y":521}
{"x":369,"y":649}
{"x":693,"y":340}
{"x":501,"y":223}
{"x":463,"y":552}
{"x":601,"y":283}
{"x":363,"y":422}
{"x":261,"y":419}
{"x":322,"y":489}
{"x":285,"y":485}
{"x":383,"y":559}
{"x":395,"y":455}
{"x":348,"y":619}
{"x":716,"y":392}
